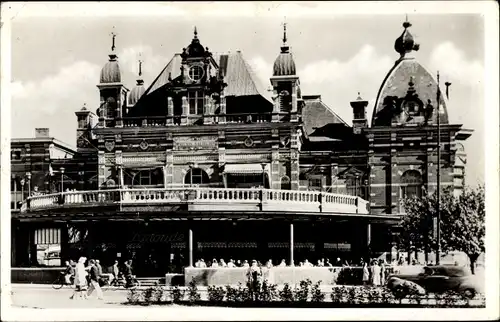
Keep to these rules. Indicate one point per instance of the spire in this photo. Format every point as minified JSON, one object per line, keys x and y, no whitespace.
{"x":285,"y":48}
{"x":140,"y":81}
{"x":195,"y":33}
{"x":113,"y":55}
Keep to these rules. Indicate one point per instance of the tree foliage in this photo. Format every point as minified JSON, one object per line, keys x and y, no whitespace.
{"x":462,"y":222}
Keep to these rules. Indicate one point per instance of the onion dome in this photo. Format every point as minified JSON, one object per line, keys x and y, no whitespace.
{"x":405,"y":43}
{"x":195,"y":49}
{"x":284,"y":65}
{"x":110,"y":73}
{"x":138,"y":90}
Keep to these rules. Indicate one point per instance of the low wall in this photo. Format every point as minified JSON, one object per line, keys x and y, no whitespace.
{"x":281,"y":275}
{"x":34,"y":275}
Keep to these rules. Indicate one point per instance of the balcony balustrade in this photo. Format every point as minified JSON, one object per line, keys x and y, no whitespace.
{"x":200,"y":199}
{"x":156,"y":121}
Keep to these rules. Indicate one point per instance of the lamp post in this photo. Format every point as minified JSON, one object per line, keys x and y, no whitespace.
{"x":28,"y":177}
{"x":62,"y":179}
{"x":263,"y":165}
{"x":438,"y":173}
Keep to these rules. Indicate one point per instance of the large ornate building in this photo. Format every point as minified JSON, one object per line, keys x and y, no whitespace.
{"x":205,"y":162}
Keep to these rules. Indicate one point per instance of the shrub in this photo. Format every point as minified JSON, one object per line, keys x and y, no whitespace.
{"x":134,"y":296}
{"x":193,"y":294}
{"x":268,"y":292}
{"x":338,"y":294}
{"x":286,"y":294}
{"x":216,"y":294}
{"x":176,"y":294}
{"x":302,"y":293}
{"x":316,"y":295}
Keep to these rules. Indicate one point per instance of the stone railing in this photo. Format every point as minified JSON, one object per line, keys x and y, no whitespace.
{"x":205,"y":199}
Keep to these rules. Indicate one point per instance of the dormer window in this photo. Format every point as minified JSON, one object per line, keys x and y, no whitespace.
{"x":196,"y":73}
{"x":195,"y":100}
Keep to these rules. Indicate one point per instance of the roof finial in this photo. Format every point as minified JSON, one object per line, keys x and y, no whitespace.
{"x":406,"y":24}
{"x":285,"y":48}
{"x":195,"y":33}
{"x":140,"y":65}
{"x":113,"y":36}
{"x":284,"y":33}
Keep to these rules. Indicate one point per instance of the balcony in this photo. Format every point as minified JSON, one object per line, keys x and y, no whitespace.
{"x":199,"y":200}
{"x":157,"y":121}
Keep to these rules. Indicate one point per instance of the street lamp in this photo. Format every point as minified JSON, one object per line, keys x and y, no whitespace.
{"x":28,"y":176}
{"x":62,"y":179}
{"x":438,"y":173}
{"x":263,"y":165}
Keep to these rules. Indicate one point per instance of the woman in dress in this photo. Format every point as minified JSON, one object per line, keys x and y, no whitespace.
{"x":80,"y":280}
{"x":366,"y":274}
{"x":376,"y":273}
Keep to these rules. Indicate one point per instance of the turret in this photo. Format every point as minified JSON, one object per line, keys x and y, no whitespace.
{"x":359,"y":120}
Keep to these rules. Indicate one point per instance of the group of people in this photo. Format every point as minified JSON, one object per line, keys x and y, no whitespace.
{"x":200,"y":263}
{"x":88,"y":276}
{"x":374,"y":272}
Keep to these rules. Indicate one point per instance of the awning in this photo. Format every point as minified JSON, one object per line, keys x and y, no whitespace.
{"x":246,"y":168}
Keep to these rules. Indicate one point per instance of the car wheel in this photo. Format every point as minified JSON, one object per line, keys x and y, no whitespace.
{"x":469,"y":293}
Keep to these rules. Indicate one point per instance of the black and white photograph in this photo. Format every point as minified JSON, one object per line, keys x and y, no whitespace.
{"x":249,"y":161}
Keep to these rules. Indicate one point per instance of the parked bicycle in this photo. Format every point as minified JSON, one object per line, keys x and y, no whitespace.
{"x":60,"y":281}
{"x":119,"y":283}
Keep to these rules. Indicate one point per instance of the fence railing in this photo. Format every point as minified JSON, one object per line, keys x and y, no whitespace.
{"x":205,"y":198}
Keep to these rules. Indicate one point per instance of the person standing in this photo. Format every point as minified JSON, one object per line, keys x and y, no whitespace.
{"x":382,"y":271}
{"x":69,"y":271}
{"x":115,"y":270}
{"x":375,"y":273}
{"x":94,"y":280}
{"x":366,"y":274}
{"x":128,"y":272}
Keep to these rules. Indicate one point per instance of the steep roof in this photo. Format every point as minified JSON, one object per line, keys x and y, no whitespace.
{"x":316,"y":114}
{"x":241,"y":80}
{"x":396,"y":84}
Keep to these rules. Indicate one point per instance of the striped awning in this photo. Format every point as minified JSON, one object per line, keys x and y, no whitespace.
{"x":48,"y":236}
{"x":245,"y":168}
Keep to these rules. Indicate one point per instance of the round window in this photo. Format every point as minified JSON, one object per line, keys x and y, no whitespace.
{"x":196,"y":73}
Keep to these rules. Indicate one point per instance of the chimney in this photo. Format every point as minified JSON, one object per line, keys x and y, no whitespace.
{"x":359,"y":120}
{"x":42,"y":132}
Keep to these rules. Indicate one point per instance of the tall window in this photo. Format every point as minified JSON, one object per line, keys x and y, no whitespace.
{"x":196,"y":176}
{"x":195,"y":100}
{"x":316,"y":182}
{"x":411,"y":184}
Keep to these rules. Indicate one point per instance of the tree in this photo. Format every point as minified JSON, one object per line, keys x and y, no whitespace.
{"x":462,"y":223}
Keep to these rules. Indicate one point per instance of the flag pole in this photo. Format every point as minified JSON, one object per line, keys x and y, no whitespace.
{"x":438,"y":173}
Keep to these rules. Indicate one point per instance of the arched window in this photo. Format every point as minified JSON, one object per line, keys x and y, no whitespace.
{"x":150,"y":177}
{"x":411,"y":184}
{"x":196,"y":176}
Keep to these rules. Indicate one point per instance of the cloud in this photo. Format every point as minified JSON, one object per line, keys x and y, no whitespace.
{"x":338,"y":81}
{"x":55,"y":98}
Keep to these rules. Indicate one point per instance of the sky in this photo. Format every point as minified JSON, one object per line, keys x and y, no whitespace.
{"x":56,"y":60}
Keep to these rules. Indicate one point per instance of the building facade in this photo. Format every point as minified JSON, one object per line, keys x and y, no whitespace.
{"x":207,"y":163}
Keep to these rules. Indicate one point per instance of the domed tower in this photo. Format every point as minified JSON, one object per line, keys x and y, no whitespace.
{"x":113,"y":93}
{"x":285,"y":84}
{"x":408,"y":94}
{"x":138,"y":90}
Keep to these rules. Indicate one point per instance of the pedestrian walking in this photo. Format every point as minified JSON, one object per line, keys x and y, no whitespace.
{"x":80,"y":280}
{"x":94,"y":280}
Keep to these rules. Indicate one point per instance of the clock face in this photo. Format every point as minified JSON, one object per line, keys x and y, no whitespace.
{"x":196,"y":73}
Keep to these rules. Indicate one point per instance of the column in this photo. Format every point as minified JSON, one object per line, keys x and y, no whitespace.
{"x":294,"y":116}
{"x":122,"y":183}
{"x":101,"y":168}
{"x":368,"y":238}
{"x":185,"y":110}
{"x":119,"y":109}
{"x":291,"y":245}
{"x":222,"y":119}
{"x":190,"y":245}
{"x":65,"y":254}
{"x":170,"y":111}
{"x":169,"y":168}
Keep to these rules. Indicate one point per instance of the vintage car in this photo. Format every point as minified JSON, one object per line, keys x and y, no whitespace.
{"x":440,"y":279}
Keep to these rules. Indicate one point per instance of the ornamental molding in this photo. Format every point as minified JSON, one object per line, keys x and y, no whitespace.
{"x":195,"y":158}
{"x":189,"y":143}
{"x":247,"y":156}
